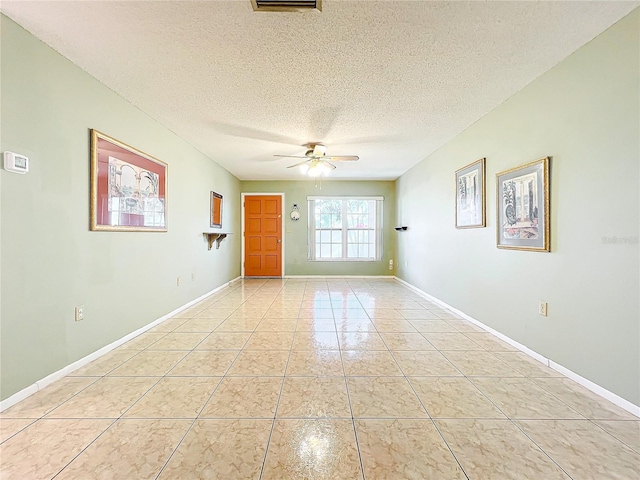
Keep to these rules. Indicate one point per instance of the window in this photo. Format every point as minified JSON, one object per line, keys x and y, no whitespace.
{"x":345,"y":228}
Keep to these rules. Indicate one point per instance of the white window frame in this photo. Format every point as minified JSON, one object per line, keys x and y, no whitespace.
{"x":377,"y":230}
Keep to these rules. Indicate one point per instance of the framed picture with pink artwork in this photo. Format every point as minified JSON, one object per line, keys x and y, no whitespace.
{"x":128,"y":187}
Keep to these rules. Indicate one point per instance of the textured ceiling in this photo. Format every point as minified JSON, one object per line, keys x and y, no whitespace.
{"x":388,"y":81}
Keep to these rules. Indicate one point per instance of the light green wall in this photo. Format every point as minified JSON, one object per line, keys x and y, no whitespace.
{"x":296,"y":262}
{"x":50,"y":260}
{"x":585,"y":114}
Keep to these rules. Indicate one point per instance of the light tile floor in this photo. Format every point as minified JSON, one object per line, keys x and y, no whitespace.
{"x":317,"y":379}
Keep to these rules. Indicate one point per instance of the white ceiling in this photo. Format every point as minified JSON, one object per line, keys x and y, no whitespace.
{"x":388,"y":81}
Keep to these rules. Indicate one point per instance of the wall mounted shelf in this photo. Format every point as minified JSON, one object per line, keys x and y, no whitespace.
{"x":216,"y":237}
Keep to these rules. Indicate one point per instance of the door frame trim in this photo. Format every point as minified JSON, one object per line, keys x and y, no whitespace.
{"x":282,"y":228}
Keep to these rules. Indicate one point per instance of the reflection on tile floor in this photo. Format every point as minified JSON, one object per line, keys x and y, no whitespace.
{"x":317,"y":379}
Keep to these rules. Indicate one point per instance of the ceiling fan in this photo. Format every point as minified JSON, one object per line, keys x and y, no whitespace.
{"x":317,"y":162}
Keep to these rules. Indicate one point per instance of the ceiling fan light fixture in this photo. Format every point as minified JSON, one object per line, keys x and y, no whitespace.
{"x":314,"y":171}
{"x":318,"y":169}
{"x":324,"y":168}
{"x":304,"y":168}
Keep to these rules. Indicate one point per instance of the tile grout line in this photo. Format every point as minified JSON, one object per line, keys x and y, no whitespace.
{"x":346,"y":384}
{"x":429,"y":415}
{"x":275,"y":412}
{"x":164,"y":466}
{"x":539,"y":447}
{"x":594,"y":421}
{"x":508,"y":418}
{"x":115,"y":420}
{"x":514,"y":422}
{"x":86,"y":447}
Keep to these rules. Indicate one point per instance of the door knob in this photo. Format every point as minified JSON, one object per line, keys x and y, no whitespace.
{"x":279,"y":241}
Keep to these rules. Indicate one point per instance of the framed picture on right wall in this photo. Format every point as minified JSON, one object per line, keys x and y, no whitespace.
{"x":470,"y":201}
{"x":523,"y":207}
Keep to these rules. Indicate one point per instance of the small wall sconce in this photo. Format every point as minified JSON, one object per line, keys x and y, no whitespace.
{"x":295,"y":212}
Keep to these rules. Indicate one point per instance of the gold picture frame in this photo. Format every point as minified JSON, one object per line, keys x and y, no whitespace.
{"x":470,"y":195}
{"x":522,"y":198}
{"x":128,"y":187}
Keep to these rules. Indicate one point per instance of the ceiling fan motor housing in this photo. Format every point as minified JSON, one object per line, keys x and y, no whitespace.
{"x":316,"y":150}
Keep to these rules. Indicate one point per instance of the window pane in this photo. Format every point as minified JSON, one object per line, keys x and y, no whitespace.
{"x":336,"y":250}
{"x":352,"y":251}
{"x":325,"y":251}
{"x":358,"y":206}
{"x":336,"y":221}
{"x":359,"y":220}
{"x":336,"y":236}
{"x":353,"y":236}
{"x":317,"y":236}
{"x":325,"y":236}
{"x":351,"y":221}
{"x":323,"y":206}
{"x":325,"y":220}
{"x":317,"y":251}
{"x":363,"y":251}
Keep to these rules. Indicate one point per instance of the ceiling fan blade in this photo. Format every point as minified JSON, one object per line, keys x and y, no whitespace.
{"x":343,"y":158}
{"x":330,"y":165}
{"x":291,"y":156}
{"x":298,"y":164}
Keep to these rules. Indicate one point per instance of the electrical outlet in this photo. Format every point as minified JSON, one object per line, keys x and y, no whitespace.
{"x":179,"y":281}
{"x":390,"y":264}
{"x":79,"y":313}
{"x":542,"y":308}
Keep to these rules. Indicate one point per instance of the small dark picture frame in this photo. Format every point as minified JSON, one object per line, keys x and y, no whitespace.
{"x":216,"y":210}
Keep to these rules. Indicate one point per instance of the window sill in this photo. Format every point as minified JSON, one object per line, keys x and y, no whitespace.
{"x":343,"y":260}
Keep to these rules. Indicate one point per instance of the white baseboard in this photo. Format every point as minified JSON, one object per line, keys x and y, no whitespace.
{"x":294,"y":277}
{"x":40,"y":384}
{"x":594,"y":387}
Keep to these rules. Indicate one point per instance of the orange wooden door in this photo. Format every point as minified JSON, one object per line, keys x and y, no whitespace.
{"x":263,"y":236}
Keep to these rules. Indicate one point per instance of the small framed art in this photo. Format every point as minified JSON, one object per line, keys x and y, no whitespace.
{"x":216,"y":210}
{"x":470,"y":197}
{"x":523,"y":207}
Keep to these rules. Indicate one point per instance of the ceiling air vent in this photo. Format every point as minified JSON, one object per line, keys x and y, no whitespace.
{"x":286,"y":5}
